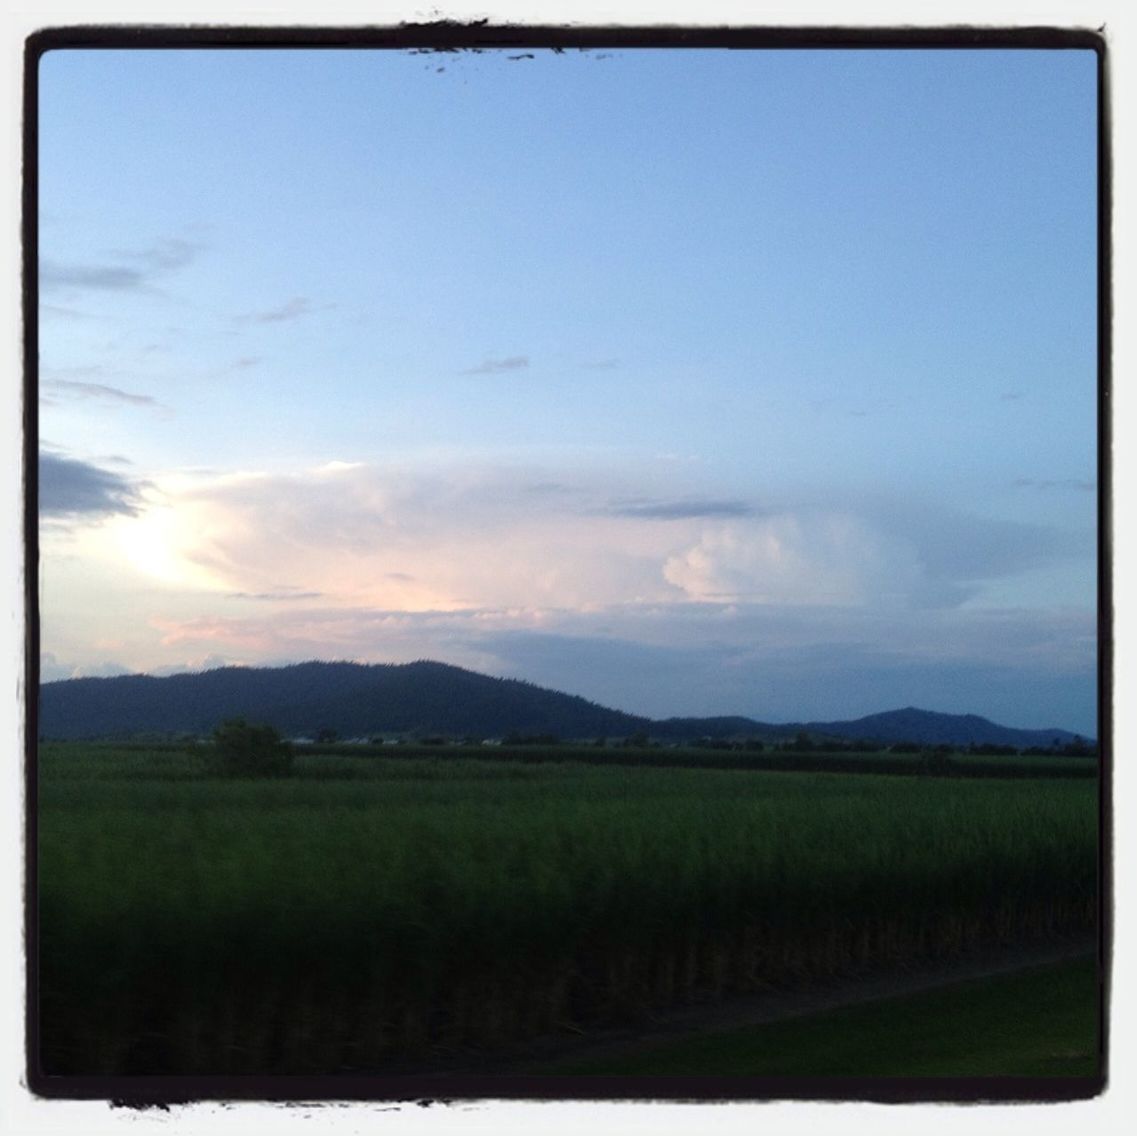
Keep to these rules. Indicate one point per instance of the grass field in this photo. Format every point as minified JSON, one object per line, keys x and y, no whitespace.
{"x":1039,"y":1023}
{"x":363,"y":912}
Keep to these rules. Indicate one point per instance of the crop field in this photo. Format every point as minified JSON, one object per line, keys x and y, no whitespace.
{"x":366,"y":914}
{"x":1040,"y":1022}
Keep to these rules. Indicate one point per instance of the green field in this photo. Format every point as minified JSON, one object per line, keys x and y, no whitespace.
{"x":365,"y":913}
{"x":1042,"y":1022}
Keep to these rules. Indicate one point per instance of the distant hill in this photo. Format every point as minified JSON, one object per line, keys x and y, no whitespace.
{"x":353,"y":699}
{"x":423,"y":698}
{"x":925,"y":727}
{"x":930,"y":728}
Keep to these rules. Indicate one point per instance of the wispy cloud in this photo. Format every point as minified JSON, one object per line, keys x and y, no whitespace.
{"x":499,"y":366}
{"x":74,"y":489}
{"x":552,"y":488}
{"x":96,"y":391}
{"x":123,"y":271}
{"x":283,"y":594}
{"x":296,"y":308}
{"x":679,"y":510}
{"x":110,"y":277}
{"x":211,"y":662}
{"x":164,"y":256}
{"x":1061,"y":483}
{"x":58,"y":311}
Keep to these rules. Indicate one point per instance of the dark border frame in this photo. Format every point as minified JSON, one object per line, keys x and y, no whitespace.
{"x":449,"y":36}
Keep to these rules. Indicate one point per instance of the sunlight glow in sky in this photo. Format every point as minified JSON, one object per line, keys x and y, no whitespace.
{"x":693,"y":382}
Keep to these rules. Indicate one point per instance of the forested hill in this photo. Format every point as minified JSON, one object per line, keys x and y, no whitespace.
{"x":352,"y":699}
{"x":929,"y":728}
{"x":429,"y":698}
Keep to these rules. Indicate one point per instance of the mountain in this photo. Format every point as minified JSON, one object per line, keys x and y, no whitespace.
{"x":358,"y":700}
{"x":351,"y":698}
{"x":925,"y":727}
{"x":930,"y":728}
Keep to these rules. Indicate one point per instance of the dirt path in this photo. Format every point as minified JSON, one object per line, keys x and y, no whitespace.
{"x":760,"y":1008}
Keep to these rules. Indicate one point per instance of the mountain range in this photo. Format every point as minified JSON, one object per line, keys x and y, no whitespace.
{"x":431,"y":698}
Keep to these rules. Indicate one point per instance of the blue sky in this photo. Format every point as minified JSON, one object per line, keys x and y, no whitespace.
{"x":692,"y":382}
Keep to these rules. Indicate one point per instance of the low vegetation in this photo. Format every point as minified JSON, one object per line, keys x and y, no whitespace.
{"x":364,"y":914}
{"x":238,"y":749}
{"x":1042,"y":1022}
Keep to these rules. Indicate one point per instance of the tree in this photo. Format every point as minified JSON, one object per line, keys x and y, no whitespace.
{"x":244,"y":750}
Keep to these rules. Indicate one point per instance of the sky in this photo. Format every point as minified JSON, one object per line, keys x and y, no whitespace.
{"x":693,"y":382}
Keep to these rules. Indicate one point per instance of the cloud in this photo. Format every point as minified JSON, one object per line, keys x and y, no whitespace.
{"x":294,"y":309}
{"x":801,"y":558}
{"x":447,"y":538}
{"x":142,"y":267}
{"x":471,"y":536}
{"x":646,"y":509}
{"x":283,"y":594}
{"x":796,"y":610}
{"x":106,"y":669}
{"x":552,"y":488}
{"x":499,"y":366}
{"x":69,"y":488}
{"x":211,"y":662}
{"x":109,"y":277}
{"x":164,"y":256}
{"x":60,"y":312}
{"x":94,"y":390}
{"x":964,"y":549}
{"x":52,"y":670}
{"x":1085,"y":486}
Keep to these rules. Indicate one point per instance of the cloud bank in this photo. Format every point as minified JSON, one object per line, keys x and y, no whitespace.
{"x":476,"y":536}
{"x":608,"y":585}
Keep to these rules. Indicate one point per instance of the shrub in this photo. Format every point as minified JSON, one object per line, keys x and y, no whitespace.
{"x":244,"y":750}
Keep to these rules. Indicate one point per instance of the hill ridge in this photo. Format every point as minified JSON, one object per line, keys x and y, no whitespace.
{"x":426,"y":696}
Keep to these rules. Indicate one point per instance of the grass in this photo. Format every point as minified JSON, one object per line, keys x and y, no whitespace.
{"x":364,"y":911}
{"x":1039,"y":1023}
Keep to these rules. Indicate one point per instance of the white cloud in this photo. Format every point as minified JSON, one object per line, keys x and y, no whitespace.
{"x":52,"y":670}
{"x":796,"y":558}
{"x":479,"y":536}
{"x":401,"y":539}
